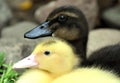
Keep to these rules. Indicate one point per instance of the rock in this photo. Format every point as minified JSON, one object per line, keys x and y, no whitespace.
{"x":11,"y":50}
{"x":5,"y":14}
{"x":101,"y":38}
{"x":105,"y":4}
{"x":15,"y":49}
{"x":112,"y":17}
{"x":17,"y":31}
{"x":41,"y":1}
{"x":89,"y":8}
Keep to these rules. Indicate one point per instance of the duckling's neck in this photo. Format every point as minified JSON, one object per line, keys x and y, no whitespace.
{"x":55,"y":75}
{"x":80,"y":47}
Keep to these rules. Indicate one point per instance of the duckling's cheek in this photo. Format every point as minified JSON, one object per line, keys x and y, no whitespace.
{"x":39,"y":59}
{"x":53,"y":60}
{"x":67,"y":33}
{"x":44,"y":61}
{"x":58,"y":61}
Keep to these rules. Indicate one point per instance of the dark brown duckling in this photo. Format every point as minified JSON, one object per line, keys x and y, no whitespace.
{"x":68,"y":23}
{"x":107,"y":58}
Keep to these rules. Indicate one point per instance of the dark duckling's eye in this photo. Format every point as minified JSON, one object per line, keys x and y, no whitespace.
{"x":62,"y":18}
{"x":47,"y":53}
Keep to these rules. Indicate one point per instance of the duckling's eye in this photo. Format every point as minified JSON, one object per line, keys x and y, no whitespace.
{"x":47,"y":53}
{"x":62,"y":18}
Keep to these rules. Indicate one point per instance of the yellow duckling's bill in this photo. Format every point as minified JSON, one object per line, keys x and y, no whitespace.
{"x":26,"y":62}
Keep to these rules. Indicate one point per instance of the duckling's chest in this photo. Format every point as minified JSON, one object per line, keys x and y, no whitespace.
{"x":35,"y":76}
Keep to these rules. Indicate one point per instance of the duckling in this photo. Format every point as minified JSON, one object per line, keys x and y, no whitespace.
{"x":88,"y":75}
{"x":34,"y":76}
{"x":50,"y":56}
{"x":107,"y":55}
{"x":69,"y":23}
{"x":46,"y":62}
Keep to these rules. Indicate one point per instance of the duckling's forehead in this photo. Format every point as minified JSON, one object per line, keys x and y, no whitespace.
{"x":70,"y":14}
{"x":45,"y":45}
{"x":54,"y":46}
{"x":66,"y":10}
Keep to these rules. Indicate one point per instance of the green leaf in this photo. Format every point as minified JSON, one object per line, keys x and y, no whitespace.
{"x":2,"y":57}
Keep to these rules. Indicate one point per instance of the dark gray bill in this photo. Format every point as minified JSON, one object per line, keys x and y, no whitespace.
{"x":40,"y":31}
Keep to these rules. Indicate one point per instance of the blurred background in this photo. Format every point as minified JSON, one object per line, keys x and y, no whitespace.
{"x":20,"y":16}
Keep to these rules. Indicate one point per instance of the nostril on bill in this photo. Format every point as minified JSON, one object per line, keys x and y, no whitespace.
{"x":41,"y":27}
{"x":28,"y":59}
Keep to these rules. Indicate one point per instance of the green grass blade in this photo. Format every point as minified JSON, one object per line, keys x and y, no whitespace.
{"x":2,"y":57}
{"x":7,"y":74}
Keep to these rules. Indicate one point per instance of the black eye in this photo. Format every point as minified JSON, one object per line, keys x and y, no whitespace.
{"x":62,"y":18}
{"x":47,"y":52}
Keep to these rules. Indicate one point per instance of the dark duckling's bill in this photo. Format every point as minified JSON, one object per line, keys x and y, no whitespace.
{"x":39,"y":31}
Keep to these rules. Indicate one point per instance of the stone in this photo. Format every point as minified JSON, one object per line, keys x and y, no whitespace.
{"x":112,"y":17}
{"x":88,"y":7}
{"x":105,"y":4}
{"x":17,"y":31}
{"x":5,"y":14}
{"x":102,"y":37}
{"x":15,"y":49}
{"x":12,"y":50}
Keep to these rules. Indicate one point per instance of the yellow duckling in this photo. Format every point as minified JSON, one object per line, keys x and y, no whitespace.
{"x":88,"y":75}
{"x":55,"y":61}
{"x":49,"y":60}
{"x":34,"y":76}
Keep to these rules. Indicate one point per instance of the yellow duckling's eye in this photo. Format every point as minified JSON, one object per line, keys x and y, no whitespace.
{"x":47,"y":53}
{"x":62,"y":18}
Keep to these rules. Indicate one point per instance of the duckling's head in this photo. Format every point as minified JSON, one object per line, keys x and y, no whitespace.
{"x":66,"y":22}
{"x":53,"y":55}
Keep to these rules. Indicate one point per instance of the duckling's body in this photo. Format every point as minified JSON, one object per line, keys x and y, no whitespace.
{"x":108,"y":58}
{"x":35,"y":76}
{"x":55,"y":61}
{"x":88,"y":75}
{"x":69,"y":23}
